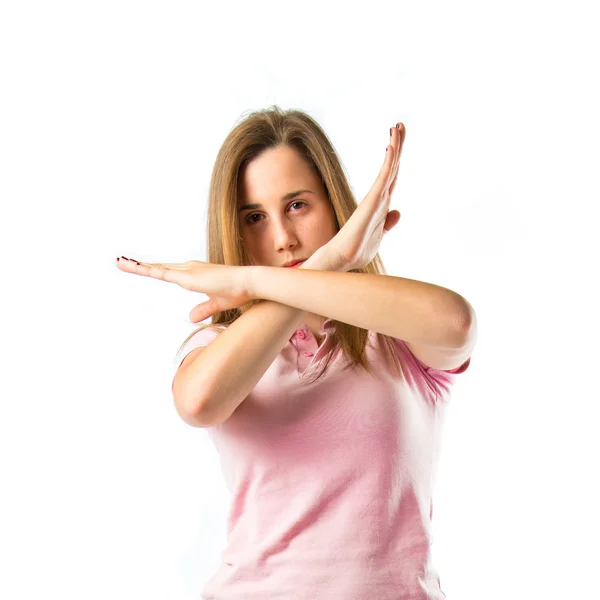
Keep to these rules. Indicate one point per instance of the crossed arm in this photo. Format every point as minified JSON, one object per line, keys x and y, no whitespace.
{"x":438,"y":325}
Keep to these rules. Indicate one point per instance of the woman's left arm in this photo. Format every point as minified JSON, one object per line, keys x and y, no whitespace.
{"x":407,"y":309}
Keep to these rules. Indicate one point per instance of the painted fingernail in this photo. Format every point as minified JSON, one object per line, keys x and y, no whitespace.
{"x":131,"y":259}
{"x":390,"y":132}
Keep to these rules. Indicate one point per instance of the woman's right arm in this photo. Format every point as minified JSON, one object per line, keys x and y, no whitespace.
{"x":217,"y":378}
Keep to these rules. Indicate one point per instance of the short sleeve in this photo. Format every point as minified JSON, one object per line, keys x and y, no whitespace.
{"x":198,"y":340}
{"x":438,"y":380}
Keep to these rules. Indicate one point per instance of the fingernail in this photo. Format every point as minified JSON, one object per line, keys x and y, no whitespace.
{"x":130,"y":259}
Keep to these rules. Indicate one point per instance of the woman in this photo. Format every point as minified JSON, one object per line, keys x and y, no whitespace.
{"x":331,"y":477}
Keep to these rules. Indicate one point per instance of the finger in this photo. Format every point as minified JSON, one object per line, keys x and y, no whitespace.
{"x":400,"y":138}
{"x":176,"y":266}
{"x":396,"y":141}
{"x":392,"y":219}
{"x":172,"y":266}
{"x":387,"y":170}
{"x":201,"y":311}
{"x":398,"y":134}
{"x":164,"y":271}
{"x":384,"y":173}
{"x":150,"y":270}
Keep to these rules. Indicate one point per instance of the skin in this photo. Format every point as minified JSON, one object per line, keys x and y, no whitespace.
{"x":284,"y":230}
{"x":353,"y":247}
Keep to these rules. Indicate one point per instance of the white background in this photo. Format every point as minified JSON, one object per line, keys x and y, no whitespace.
{"x":111,"y":117}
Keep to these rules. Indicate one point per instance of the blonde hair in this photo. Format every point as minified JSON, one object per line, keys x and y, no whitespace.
{"x":261,"y":130}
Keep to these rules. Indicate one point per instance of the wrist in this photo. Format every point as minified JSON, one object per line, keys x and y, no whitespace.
{"x":322,"y":260}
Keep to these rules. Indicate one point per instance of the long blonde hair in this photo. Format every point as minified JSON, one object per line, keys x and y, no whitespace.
{"x":261,"y":130}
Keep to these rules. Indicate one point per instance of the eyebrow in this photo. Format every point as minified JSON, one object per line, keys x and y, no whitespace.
{"x":288,"y":196}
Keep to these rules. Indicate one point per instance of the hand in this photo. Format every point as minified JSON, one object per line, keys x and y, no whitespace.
{"x":357,"y":242}
{"x":225,"y":284}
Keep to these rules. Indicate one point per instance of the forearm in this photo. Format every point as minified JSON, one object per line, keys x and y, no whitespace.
{"x":228,"y":369}
{"x":319,"y":261}
{"x":407,"y":309}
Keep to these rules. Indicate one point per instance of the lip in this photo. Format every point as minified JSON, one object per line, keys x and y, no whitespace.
{"x":295,"y":264}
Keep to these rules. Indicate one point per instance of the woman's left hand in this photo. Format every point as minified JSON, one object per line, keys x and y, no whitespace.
{"x":358,"y":241}
{"x":226,"y":285}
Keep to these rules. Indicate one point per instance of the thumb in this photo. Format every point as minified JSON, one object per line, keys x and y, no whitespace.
{"x":392,"y":219}
{"x":201,"y":311}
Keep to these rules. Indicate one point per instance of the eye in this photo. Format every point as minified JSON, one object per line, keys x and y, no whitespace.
{"x":251,"y":221}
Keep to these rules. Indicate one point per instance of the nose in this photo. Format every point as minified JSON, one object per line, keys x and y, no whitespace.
{"x":284,"y":236}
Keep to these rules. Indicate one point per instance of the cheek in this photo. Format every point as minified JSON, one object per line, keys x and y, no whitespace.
{"x":251,"y":245}
{"x":260,"y":246}
{"x":328,"y":224}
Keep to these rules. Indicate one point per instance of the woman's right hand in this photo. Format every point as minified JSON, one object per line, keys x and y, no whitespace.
{"x":226,"y":285}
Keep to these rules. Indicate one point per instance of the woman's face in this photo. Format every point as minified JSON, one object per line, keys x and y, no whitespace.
{"x":276,"y":230}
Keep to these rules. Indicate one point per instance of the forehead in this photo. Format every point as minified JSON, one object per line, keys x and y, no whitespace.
{"x":273,"y":174}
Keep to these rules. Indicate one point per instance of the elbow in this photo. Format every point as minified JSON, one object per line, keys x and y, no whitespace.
{"x":190,"y":409}
{"x":195,"y":419}
{"x":467,"y":324}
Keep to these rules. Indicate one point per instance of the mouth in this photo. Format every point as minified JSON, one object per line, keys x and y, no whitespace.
{"x":295,"y":264}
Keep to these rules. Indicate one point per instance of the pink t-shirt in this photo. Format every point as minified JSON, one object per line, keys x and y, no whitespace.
{"x":331,"y":483}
